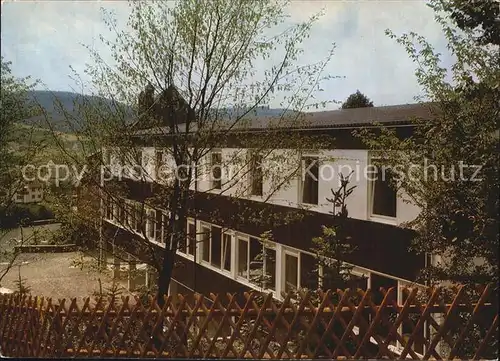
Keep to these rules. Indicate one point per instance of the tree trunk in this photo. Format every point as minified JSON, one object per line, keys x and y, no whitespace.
{"x":176,"y":230}
{"x":165,"y":275}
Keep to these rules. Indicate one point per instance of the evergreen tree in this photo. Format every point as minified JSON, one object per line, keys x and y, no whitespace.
{"x":357,"y":100}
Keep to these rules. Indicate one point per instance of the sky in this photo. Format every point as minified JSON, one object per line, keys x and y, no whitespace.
{"x":44,"y":38}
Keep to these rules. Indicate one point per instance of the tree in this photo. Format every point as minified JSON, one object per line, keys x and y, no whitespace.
{"x":481,"y":17}
{"x":193,"y":64}
{"x":333,"y":247}
{"x":14,"y":107}
{"x":449,"y":167}
{"x":357,"y":100}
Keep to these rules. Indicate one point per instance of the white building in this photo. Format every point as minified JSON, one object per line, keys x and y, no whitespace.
{"x":31,"y":192}
{"x":219,"y":253}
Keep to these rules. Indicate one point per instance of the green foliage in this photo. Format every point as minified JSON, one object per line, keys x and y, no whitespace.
{"x":22,"y":288}
{"x":357,"y":100}
{"x":17,"y":214}
{"x":14,"y":106}
{"x":449,"y":167}
{"x":333,"y":246}
{"x":480,"y":16}
{"x":258,"y":275}
{"x":190,"y":62}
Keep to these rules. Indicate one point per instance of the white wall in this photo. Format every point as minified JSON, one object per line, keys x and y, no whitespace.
{"x":30,"y":194}
{"x":281,"y":188}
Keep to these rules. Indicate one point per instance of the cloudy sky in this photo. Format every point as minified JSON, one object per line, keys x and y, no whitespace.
{"x":43,"y":39}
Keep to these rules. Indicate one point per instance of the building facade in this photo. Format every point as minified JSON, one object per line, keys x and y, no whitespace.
{"x":29,"y":193}
{"x":239,"y":193}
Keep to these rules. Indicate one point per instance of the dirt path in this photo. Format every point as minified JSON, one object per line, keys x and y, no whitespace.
{"x":53,"y":275}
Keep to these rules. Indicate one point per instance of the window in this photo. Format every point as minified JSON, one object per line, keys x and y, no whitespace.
{"x":291,"y":272}
{"x":108,"y":206}
{"x":181,"y":247}
{"x":139,"y":220}
{"x":121,"y":213}
{"x":383,"y":194}
{"x":255,"y":262}
{"x":226,"y":252}
{"x":165,"y":219}
{"x":242,"y":270}
{"x":310,"y":180}
{"x":32,"y":196}
{"x":250,"y":266}
{"x":216,"y":171}
{"x":191,"y":235}
{"x":158,"y":163}
{"x":309,"y":277}
{"x":256,"y":177}
{"x":137,"y":162}
{"x":215,"y":247}
{"x":205,"y":241}
{"x":269,"y":281}
{"x":130,"y":207}
{"x":116,"y":210}
{"x":19,"y":197}
{"x":159,"y":226}
{"x":150,"y":225}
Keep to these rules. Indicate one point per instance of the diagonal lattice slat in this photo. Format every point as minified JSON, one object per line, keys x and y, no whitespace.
{"x":341,"y":324}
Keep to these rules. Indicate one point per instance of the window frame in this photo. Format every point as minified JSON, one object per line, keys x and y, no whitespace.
{"x":157,"y":165}
{"x":202,"y":251}
{"x":215,"y":184}
{"x":252,"y":153}
{"x":292,"y":253}
{"x":371,"y":198}
{"x":230,"y":234}
{"x":150,"y":224}
{"x":190,"y":239}
{"x":302,"y":179}
{"x":212,"y":246}
{"x":246,"y":239}
{"x":270,"y":246}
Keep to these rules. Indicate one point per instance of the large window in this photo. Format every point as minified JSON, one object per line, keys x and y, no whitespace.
{"x":121,"y":213}
{"x":159,"y":226}
{"x":137,"y":162}
{"x":158,"y":163}
{"x":132,"y":220}
{"x":242,"y":269}
{"x":109,"y":208}
{"x":250,"y":265}
{"x":310,"y":180}
{"x":191,"y":238}
{"x":165,"y":218}
{"x":215,"y":247}
{"x":139,"y":219}
{"x":255,"y":263}
{"x":216,"y":170}
{"x":150,"y":225}
{"x":383,"y":193}
{"x":308,"y":271}
{"x":256,"y":177}
{"x":269,"y":281}
{"x":205,"y":242}
{"x":226,"y":252}
{"x":291,"y":272}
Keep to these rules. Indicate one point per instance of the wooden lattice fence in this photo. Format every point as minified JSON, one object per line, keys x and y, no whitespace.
{"x":434,"y":323}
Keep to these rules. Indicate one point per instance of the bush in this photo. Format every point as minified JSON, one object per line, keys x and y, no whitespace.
{"x":19,"y":214}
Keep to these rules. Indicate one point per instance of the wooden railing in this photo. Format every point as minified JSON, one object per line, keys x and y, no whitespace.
{"x":431,"y":324}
